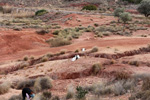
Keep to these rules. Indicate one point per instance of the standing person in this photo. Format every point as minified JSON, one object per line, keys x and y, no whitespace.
{"x":27,"y":93}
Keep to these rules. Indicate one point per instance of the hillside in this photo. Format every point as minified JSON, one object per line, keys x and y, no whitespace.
{"x":74,"y":50}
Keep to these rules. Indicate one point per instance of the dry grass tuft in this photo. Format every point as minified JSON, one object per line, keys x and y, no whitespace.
{"x":122,"y":75}
{"x":26,"y":83}
{"x":46,"y":95}
{"x":4,"y":87}
{"x":70,"y":92}
{"x":59,"y":42}
{"x":44,"y":59}
{"x":96,"y":68}
{"x":135,"y":63}
{"x":7,"y":9}
{"x":146,"y":84}
{"x":94,"y":49}
{"x":42,"y":84}
{"x":42,"y":32}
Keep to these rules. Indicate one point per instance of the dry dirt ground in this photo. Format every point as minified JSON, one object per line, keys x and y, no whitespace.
{"x":14,"y":45}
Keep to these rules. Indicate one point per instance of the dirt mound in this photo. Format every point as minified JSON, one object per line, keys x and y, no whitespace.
{"x":14,"y":41}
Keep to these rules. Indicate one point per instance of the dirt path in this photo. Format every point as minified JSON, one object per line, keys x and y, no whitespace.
{"x":122,"y":44}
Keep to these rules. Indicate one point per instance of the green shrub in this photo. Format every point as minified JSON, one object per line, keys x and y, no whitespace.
{"x":81,"y":93}
{"x":118,"y":11}
{"x":89,"y":7}
{"x":42,"y":84}
{"x":144,"y":8}
{"x":133,"y":1}
{"x":89,"y":29}
{"x":41,"y":12}
{"x":25,"y":58}
{"x":125,"y":17}
{"x":96,"y":25}
{"x":56,"y":32}
{"x":76,"y":51}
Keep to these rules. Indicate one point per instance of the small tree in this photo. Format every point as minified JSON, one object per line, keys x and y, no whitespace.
{"x":118,"y":11}
{"x":144,"y":8}
{"x":125,"y":17}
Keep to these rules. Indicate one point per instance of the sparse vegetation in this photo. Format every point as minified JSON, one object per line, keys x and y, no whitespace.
{"x":144,"y":93}
{"x":108,"y":73}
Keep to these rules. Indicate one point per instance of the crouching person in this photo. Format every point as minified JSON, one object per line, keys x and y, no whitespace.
{"x":27,"y":94}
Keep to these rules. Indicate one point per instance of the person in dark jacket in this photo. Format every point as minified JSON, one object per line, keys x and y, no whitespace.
{"x":27,"y":93}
